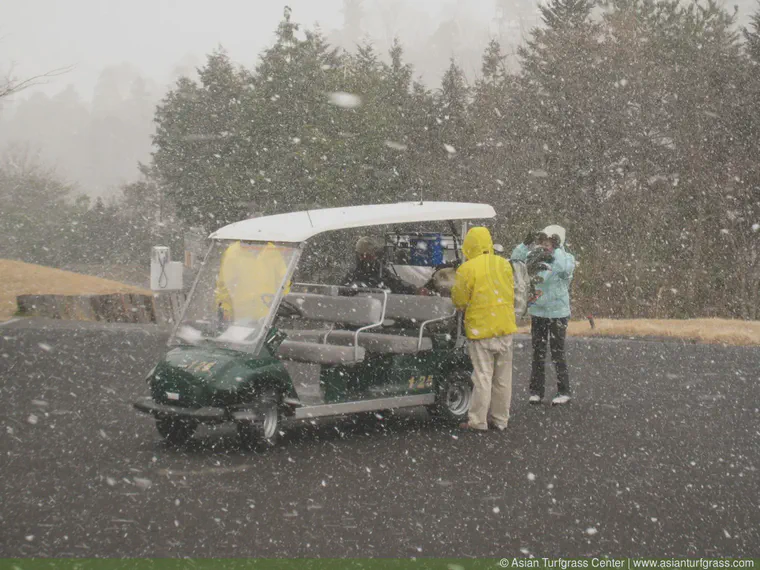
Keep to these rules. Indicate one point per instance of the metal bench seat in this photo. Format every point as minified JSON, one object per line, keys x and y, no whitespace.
{"x":316,"y":353}
{"x":371,"y":342}
{"x":357,"y":310}
{"x":416,"y":308}
{"x":366,"y":310}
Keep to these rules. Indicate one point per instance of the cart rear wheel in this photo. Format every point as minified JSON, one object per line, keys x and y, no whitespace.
{"x":453,"y":400}
{"x":265,"y":429}
{"x":174,"y":430}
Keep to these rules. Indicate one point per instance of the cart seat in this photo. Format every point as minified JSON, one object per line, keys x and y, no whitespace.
{"x":358,"y":310}
{"x":315,"y":353}
{"x":371,"y":342}
{"x":416,"y":308}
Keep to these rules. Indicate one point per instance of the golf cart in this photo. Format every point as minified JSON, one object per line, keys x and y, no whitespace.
{"x":255,"y":348}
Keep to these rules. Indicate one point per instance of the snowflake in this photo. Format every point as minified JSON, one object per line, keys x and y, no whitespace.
{"x":345,"y":100}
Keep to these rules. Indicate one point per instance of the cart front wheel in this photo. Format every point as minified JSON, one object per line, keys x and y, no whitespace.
{"x":453,"y":400}
{"x":175,"y":431}
{"x":265,"y":429}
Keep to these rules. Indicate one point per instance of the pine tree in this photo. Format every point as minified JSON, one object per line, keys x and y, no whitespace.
{"x":296,"y":121}
{"x":560,"y":89}
{"x":452,"y":106}
{"x":499,"y":145}
{"x":452,"y":136}
{"x":398,"y":76}
{"x":560,"y":14}
{"x":752,"y":36}
{"x":202,"y":154}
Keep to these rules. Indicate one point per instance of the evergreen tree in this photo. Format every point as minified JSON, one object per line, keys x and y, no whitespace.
{"x":636,"y":131}
{"x":561,"y":92}
{"x":452,"y":136}
{"x":294,"y":121}
{"x":400,"y":147}
{"x":561,"y":14}
{"x":33,"y":208}
{"x":752,"y":36}
{"x":201,"y":159}
{"x":499,"y":146}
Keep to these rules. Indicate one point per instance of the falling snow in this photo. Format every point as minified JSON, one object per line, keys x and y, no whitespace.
{"x":395,"y":145}
{"x":143,"y":483}
{"x":642,"y":141}
{"x":345,"y":100}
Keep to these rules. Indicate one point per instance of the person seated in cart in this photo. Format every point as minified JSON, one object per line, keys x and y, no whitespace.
{"x":248,"y":280}
{"x":371,"y":272}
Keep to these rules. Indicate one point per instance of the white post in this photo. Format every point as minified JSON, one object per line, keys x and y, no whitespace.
{"x":166,"y":281}
{"x":165,"y":274}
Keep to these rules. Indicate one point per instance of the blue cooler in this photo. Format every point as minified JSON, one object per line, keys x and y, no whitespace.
{"x":426,"y":250}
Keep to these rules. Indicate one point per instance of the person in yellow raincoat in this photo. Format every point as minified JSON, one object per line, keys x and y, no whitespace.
{"x":484,"y":291}
{"x":249,"y":278}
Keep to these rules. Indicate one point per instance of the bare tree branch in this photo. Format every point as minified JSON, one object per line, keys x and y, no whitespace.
{"x":10,"y":85}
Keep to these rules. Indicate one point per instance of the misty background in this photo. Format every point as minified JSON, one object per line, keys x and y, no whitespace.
{"x":93,"y":124}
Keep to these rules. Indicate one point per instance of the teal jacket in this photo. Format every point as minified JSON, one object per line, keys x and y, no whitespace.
{"x":554,"y":293}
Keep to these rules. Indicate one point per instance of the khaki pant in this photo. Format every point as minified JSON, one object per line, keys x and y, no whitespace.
{"x":492,"y":380}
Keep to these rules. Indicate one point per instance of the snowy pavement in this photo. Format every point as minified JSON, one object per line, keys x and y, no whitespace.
{"x":659,"y":454}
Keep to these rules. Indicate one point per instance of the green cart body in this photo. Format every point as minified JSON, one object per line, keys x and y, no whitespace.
{"x":306,"y":351}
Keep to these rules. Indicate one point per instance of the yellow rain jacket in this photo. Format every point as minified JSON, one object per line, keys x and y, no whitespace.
{"x":249,"y":278}
{"x":484,"y":289}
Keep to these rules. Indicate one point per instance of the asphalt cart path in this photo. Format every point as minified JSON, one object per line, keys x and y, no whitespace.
{"x":659,"y":454}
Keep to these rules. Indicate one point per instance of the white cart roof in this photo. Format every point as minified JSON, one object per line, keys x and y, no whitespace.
{"x":297,"y":227}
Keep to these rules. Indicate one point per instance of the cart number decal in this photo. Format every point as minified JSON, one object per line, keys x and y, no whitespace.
{"x":420,"y":382}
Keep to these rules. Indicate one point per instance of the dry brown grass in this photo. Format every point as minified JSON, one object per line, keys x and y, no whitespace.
{"x":711,"y":331}
{"x":19,"y":278}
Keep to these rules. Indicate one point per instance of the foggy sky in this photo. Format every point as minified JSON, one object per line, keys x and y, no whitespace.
{"x":157,"y":39}
{"x":154,"y":35}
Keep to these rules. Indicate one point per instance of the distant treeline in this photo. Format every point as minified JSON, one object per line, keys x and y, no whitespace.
{"x":633,"y":123}
{"x":41,"y":221}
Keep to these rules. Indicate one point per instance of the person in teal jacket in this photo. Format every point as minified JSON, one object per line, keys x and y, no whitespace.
{"x":544,"y":253}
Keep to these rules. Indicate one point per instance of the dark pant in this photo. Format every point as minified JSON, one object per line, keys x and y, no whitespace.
{"x":555,"y":331}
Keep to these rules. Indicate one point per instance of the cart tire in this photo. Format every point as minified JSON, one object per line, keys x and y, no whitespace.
{"x":453,"y":400}
{"x":265,"y":432}
{"x":176,"y":431}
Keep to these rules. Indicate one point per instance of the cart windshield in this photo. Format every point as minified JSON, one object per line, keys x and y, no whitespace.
{"x":237,"y":288}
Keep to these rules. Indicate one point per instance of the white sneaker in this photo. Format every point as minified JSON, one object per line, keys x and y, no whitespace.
{"x":560,"y":399}
{"x":535,"y":399}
